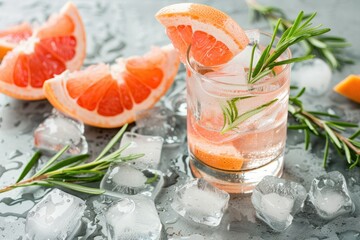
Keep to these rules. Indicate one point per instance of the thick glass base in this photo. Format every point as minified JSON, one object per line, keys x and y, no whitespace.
{"x":236,"y":181}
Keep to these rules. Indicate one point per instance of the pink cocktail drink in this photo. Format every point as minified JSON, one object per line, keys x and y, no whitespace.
{"x":236,"y":130}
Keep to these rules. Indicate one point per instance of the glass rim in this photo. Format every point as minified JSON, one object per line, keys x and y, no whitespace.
{"x":276,"y":78}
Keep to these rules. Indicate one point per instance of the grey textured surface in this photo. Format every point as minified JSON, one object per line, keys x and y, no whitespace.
{"x":123,"y":28}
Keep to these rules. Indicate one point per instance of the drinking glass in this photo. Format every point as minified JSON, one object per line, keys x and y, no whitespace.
{"x":236,"y":159}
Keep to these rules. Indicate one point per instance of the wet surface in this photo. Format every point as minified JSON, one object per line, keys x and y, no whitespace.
{"x":125,"y":28}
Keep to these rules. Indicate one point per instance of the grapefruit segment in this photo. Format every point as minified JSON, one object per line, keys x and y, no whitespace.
{"x":214,"y":37}
{"x":108,"y":96}
{"x":349,"y":87}
{"x":64,"y":35}
{"x":54,"y":47}
{"x":11,"y":37}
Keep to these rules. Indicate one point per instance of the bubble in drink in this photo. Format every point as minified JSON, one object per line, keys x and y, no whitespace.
{"x":330,"y":196}
{"x":199,"y":201}
{"x":133,"y":217}
{"x":57,"y":131}
{"x":277,"y":200}
{"x":57,"y":216}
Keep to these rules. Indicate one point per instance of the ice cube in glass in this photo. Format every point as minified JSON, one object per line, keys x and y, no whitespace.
{"x":199,"y":201}
{"x":277,"y":200}
{"x":133,"y":217}
{"x":57,"y":216}
{"x":330,"y":196}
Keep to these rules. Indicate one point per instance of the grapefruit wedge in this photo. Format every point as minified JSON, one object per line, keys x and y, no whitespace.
{"x":54,"y":47}
{"x":214,"y":37}
{"x":12,"y":36}
{"x":108,"y":96}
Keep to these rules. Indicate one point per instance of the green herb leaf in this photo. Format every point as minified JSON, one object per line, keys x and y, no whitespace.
{"x":355,"y":163}
{"x":52,"y":161}
{"x":76,"y":187}
{"x":152,"y":179}
{"x":67,"y":161}
{"x":112,"y":142}
{"x":347,"y":153}
{"x":355,"y":135}
{"x":332,"y":136}
{"x":326,"y":150}
{"x":29,"y":165}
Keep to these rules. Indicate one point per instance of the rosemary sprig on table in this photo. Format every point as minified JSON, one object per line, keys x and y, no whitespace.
{"x":328,"y":48}
{"x":311,"y":122}
{"x":72,"y":172}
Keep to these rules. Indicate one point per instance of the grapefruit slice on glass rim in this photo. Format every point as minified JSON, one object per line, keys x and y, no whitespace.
{"x":215,"y":38}
{"x":54,"y":47}
{"x":12,"y":36}
{"x":109,"y":96}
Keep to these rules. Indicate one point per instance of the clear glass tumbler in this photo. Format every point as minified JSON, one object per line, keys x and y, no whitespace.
{"x":236,"y":158}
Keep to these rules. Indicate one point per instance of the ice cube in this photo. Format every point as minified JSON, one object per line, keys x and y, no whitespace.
{"x":230,"y":74}
{"x":190,"y":237}
{"x":277,"y":206}
{"x":277,"y":200}
{"x":199,"y":201}
{"x":313,"y":74}
{"x":244,"y":57}
{"x":149,"y":145}
{"x":133,"y":217}
{"x":128,"y":179}
{"x":56,"y":216}
{"x":161,"y":121}
{"x":57,"y":131}
{"x":330,"y":196}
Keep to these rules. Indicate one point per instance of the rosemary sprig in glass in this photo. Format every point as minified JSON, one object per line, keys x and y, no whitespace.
{"x":72,"y":172}
{"x":231,"y":115}
{"x":311,"y":122}
{"x":328,"y":48}
{"x":301,"y":30}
